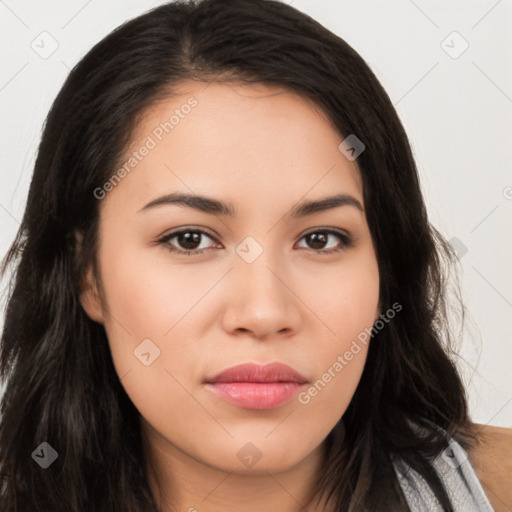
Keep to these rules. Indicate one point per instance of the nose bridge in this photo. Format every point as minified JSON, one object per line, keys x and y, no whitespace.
{"x":257,"y":266}
{"x":262,"y":301}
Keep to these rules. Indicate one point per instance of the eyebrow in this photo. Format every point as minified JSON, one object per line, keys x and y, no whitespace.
{"x":215,"y":207}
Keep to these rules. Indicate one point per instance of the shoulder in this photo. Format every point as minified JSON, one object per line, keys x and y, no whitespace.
{"x":491,"y":458}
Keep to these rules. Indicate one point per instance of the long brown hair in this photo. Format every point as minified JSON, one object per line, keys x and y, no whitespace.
{"x":60,"y":382}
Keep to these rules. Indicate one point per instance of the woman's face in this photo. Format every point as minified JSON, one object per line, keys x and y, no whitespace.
{"x":269,"y":285}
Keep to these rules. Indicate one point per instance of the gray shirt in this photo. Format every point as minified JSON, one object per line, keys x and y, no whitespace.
{"x":458,"y":476}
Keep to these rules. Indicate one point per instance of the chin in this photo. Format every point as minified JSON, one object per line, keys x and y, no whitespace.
{"x":257,"y":457}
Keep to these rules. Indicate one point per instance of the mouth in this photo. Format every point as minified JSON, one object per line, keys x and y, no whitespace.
{"x":254,"y":386}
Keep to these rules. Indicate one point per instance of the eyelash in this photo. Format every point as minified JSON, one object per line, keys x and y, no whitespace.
{"x":347,"y":241}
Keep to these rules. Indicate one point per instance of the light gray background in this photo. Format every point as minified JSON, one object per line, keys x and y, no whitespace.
{"x":456,"y":107}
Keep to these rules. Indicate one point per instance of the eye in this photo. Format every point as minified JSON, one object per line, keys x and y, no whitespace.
{"x":320,"y":237}
{"x":190,"y":241}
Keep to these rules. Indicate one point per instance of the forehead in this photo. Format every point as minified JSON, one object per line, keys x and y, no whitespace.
{"x":236,"y":141}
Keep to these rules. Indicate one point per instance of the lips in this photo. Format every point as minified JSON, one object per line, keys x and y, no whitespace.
{"x":250,"y":372}
{"x":254,"y":386}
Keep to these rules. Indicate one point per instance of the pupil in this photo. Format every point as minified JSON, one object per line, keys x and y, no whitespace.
{"x":189,"y":238}
{"x":321,"y":237}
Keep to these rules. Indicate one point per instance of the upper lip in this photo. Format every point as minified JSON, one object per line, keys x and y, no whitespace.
{"x":251,"y":372}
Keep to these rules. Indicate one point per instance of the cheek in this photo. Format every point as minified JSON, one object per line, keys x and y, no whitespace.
{"x":345,"y":299}
{"x":326,"y":399}
{"x":348,"y":307}
{"x":153,"y":311}
{"x":151,"y":294}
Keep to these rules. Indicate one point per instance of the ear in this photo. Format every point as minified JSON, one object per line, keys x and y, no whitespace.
{"x":89,"y":297}
{"x":378,"y":312}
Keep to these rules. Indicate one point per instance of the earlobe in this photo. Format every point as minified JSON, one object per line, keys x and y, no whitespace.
{"x":88,"y":289}
{"x":89,"y":297}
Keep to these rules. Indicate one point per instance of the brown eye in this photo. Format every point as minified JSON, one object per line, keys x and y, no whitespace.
{"x":317,"y":240}
{"x":187,"y":240}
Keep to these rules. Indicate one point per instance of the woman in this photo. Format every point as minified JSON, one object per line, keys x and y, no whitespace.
{"x":228,"y":294}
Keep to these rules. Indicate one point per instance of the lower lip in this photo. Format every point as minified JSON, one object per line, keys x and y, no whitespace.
{"x":256,"y":395}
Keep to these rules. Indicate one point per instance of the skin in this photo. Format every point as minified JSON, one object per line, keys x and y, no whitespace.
{"x":491,"y":459}
{"x":264,"y":150}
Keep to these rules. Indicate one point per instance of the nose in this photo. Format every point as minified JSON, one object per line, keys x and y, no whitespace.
{"x":261,"y":300}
